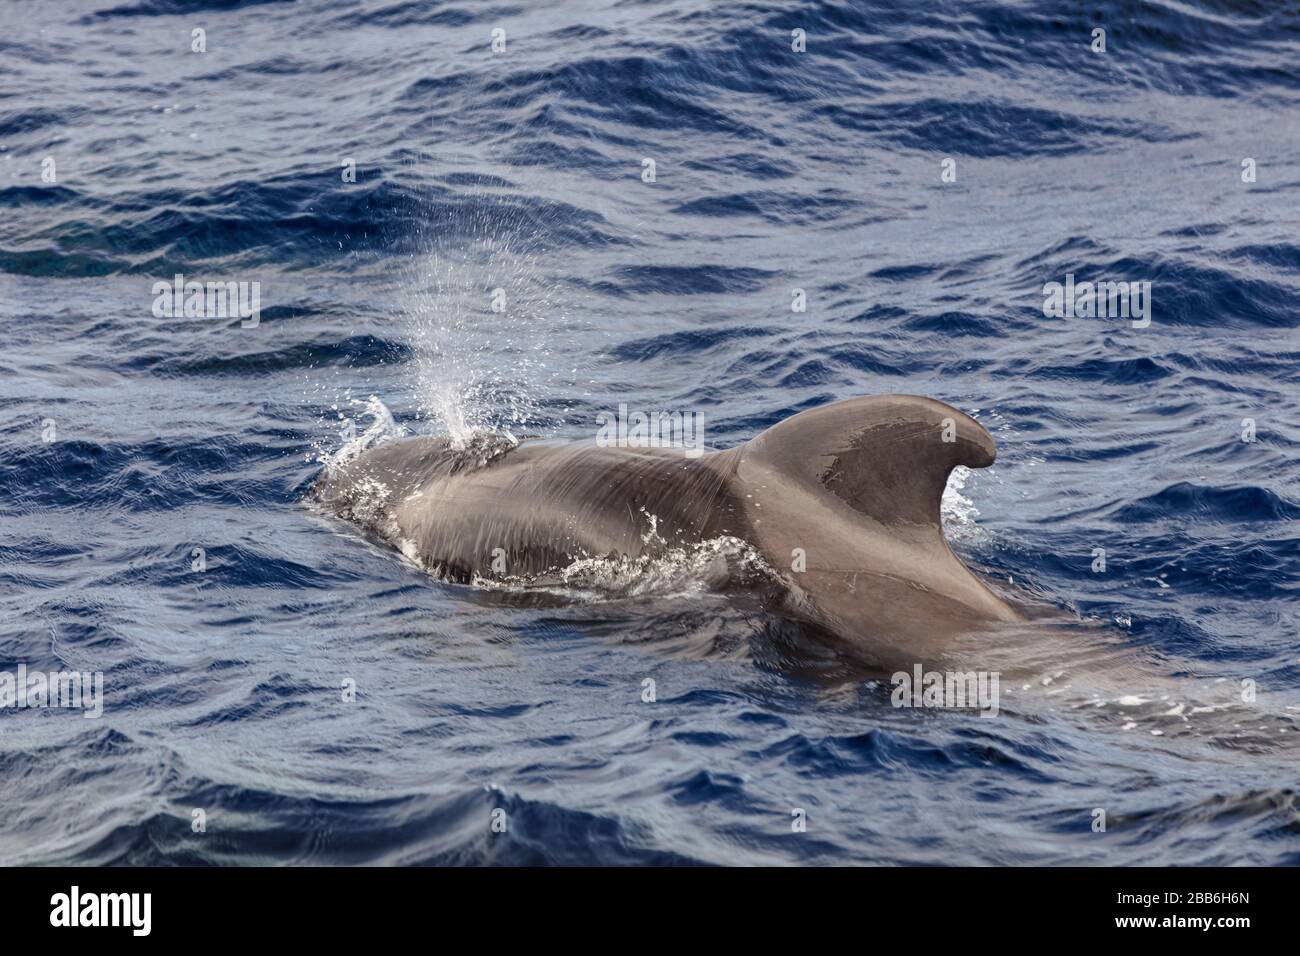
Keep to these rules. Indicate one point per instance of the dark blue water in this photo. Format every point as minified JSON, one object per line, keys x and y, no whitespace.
{"x":522,"y":171}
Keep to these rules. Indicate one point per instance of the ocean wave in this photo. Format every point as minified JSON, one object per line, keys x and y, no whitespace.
{"x":797,"y":245}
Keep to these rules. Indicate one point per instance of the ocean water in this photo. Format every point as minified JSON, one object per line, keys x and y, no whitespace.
{"x":153,"y":468}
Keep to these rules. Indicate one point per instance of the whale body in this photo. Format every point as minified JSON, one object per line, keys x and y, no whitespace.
{"x":842,"y":502}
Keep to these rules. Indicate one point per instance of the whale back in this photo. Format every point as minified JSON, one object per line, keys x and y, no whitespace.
{"x":534,"y":506}
{"x":843,"y":502}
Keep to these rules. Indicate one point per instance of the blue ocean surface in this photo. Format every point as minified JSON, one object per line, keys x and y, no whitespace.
{"x":448,"y":209}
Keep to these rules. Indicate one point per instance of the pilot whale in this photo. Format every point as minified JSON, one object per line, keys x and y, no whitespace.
{"x":842,"y":502}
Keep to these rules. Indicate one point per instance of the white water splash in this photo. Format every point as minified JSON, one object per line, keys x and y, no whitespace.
{"x":349,"y":425}
{"x":678,"y":572}
{"x":488,"y":327}
{"x":957,"y":513}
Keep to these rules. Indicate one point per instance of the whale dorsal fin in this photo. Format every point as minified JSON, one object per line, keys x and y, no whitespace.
{"x":887,"y":457}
